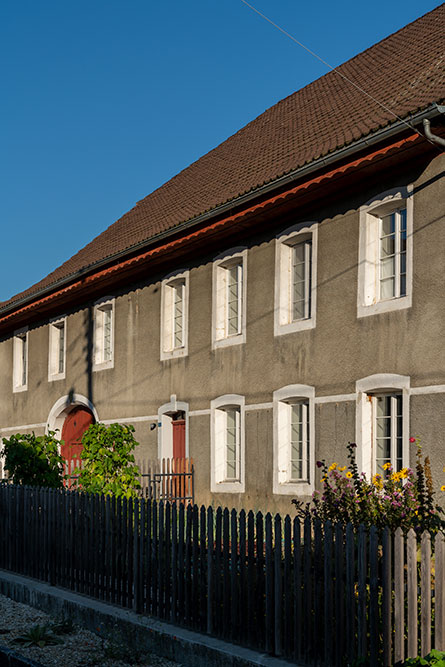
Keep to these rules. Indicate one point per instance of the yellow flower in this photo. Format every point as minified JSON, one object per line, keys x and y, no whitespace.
{"x":403,"y":473}
{"x":323,"y":479}
{"x":377,"y":481}
{"x":349,"y":475}
{"x":395,"y":477}
{"x":387,"y":466}
{"x":342,"y":469}
{"x":333,"y":466}
{"x":442,"y":488}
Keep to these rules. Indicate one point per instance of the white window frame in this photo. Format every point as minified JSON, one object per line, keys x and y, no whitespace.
{"x":368,"y":294}
{"x":169,"y":284}
{"x":283,"y":310}
{"x":53,"y":351}
{"x":99,"y":363}
{"x":20,"y":383}
{"x":218,"y":481}
{"x":283,"y":399}
{"x":221,"y":265}
{"x":165,"y":428}
{"x":366,"y":388}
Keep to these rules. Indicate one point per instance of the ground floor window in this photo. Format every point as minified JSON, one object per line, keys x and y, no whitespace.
{"x":388,"y":431}
{"x":293,"y":418}
{"x":227,"y":444}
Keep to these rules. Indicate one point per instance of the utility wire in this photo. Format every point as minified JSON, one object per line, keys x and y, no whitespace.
{"x":334,"y":69}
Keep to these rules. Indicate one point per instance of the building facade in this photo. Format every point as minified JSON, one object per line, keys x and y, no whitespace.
{"x":263,"y":333}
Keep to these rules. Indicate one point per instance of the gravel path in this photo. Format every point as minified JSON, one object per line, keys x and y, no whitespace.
{"x":80,"y":648}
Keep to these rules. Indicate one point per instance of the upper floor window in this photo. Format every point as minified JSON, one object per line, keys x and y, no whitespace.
{"x":295,"y":279}
{"x":385,"y":253}
{"x":20,"y":360}
{"x":382,"y":423}
{"x":229,"y":298}
{"x":294,"y":440}
{"x":174,"y":316}
{"x":57,"y":346}
{"x":227,"y":444}
{"x":104,"y":334}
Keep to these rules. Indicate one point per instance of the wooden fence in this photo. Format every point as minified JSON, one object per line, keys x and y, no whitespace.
{"x":310,"y":593}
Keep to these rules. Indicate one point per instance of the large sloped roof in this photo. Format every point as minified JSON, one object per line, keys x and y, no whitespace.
{"x":405,"y":72}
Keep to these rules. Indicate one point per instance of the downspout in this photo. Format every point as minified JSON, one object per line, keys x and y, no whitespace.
{"x":432,"y":137}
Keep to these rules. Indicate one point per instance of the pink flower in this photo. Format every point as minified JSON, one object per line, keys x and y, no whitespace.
{"x":412,"y":440}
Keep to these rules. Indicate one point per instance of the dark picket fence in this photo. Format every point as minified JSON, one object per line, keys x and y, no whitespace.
{"x":311,"y":593}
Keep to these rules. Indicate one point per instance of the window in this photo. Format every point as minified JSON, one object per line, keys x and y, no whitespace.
{"x":104,"y":334}
{"x":57,"y":345}
{"x":385,"y":253}
{"x":294,"y":440}
{"x":229,"y":299}
{"x":295,"y":279}
{"x":227,"y":441}
{"x":20,"y":360}
{"x":382,"y":422}
{"x":388,"y":431}
{"x":174,"y":316}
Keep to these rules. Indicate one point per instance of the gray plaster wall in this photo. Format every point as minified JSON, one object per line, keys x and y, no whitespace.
{"x":331,"y":357}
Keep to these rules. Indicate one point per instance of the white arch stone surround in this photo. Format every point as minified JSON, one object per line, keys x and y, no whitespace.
{"x":63,"y":407}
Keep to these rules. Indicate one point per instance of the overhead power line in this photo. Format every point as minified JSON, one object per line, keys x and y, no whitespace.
{"x":334,"y":69}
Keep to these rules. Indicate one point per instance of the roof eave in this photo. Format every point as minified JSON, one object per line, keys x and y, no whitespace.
{"x":369,"y":140}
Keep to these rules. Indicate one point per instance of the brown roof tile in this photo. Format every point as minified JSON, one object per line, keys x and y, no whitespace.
{"x":405,"y":71}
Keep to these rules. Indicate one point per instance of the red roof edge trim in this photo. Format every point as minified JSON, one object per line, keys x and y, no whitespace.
{"x":62,"y":293}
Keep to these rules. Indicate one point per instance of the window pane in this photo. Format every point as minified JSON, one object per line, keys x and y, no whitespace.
{"x":387,"y":267}
{"x":388,"y":224}
{"x":402,"y":214}
{"x":300,"y":288}
{"x":299,"y":429}
{"x":388,"y":432}
{"x":23,"y":344}
{"x":387,"y":288}
{"x":387,"y":246}
{"x":178,"y":320}
{"x":107,"y":333}
{"x":234,"y":278}
{"x":61,"y":346}
{"x":232,"y":442}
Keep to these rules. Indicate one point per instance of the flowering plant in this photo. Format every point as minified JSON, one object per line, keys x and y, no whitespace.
{"x":402,"y":498}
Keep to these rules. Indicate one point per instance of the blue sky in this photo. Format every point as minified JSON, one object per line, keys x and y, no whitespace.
{"x":102,"y":102}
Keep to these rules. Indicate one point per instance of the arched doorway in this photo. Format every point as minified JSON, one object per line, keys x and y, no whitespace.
{"x":74,"y":426}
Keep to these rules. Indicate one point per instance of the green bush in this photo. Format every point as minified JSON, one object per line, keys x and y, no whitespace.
{"x":402,"y":498}
{"x":107,"y":461}
{"x":34,"y":460}
{"x":436,"y":658}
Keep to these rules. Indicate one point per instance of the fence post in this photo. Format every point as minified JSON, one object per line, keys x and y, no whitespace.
{"x":278,"y":587}
{"x":373,"y":596}
{"x":328,"y":611}
{"x":269,"y":587}
{"x":387,"y":595}
{"x":210,"y":576}
{"x":425,"y":604}
{"x":439,"y":604}
{"x":411,"y":552}
{"x":399,"y":597}
{"x":362,"y":571}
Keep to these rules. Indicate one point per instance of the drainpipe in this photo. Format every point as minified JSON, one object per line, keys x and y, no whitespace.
{"x":432,"y":137}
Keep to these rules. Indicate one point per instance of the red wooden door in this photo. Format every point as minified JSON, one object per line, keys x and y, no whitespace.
{"x":74,"y":427}
{"x":178,"y":426}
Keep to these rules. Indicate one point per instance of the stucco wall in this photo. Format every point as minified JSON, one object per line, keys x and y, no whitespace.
{"x":331,"y":357}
